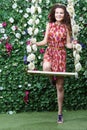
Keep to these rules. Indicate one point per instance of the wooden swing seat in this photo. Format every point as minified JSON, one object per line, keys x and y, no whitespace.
{"x":53,"y":73}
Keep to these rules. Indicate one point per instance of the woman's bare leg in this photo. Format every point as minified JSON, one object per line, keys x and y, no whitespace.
{"x":60,"y":93}
{"x":46,"y":66}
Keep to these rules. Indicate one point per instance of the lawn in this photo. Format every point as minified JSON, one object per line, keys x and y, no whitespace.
{"x":73,"y":120}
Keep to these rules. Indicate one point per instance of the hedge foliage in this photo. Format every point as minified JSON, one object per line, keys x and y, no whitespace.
{"x":20,"y":91}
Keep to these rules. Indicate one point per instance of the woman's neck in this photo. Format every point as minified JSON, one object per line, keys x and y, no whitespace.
{"x":58,"y":23}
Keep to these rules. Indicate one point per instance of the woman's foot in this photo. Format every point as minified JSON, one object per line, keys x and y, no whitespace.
{"x":60,"y":119}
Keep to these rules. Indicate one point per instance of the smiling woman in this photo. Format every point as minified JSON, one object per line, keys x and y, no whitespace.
{"x":57,"y":37}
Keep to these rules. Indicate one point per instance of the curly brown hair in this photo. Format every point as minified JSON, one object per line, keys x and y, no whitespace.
{"x":66,"y":20}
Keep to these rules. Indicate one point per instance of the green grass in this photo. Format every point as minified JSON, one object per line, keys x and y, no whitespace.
{"x":73,"y":120}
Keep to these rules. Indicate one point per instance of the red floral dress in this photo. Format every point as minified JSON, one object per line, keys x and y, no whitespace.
{"x":55,"y":52}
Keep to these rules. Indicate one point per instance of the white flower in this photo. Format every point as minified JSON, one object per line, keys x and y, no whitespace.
{"x":29,"y":85}
{"x":10,"y":112}
{"x":26,"y":15}
{"x":0,"y":70}
{"x":14,"y":6}
{"x":13,"y":28}
{"x":71,"y":2}
{"x":73,"y":22}
{"x":2,"y":38}
{"x":75,"y":28}
{"x":21,"y":42}
{"x":18,"y":35}
{"x":34,"y":47}
{"x":37,"y":21}
{"x":5,"y":36}
{"x":39,"y":57}
{"x":25,"y":25}
{"x":17,"y":10}
{"x":23,"y":32}
{"x":70,"y":10}
{"x":15,"y":64}
{"x":33,"y":40}
{"x":39,"y":10}
{"x":81,"y":19}
{"x":40,"y":16}
{"x":36,"y":31}
{"x":31,"y":66}
{"x":78,"y":47}
{"x":77,"y":58}
{"x":28,"y":49}
{"x":78,"y":67}
{"x":74,"y":53}
{"x":40,"y":1}
{"x":84,"y":8}
{"x":31,"y":57}
{"x":20,"y":86}
{"x":1,"y":96}
{"x":33,"y":1}
{"x":1,"y":25}
{"x":20,"y":11}
{"x":30,"y":31}
{"x":1,"y":88}
{"x":19,"y":29}
{"x":28,"y":10}
{"x":6,"y":67}
{"x":30,"y":22}
{"x":2,"y":30}
{"x":11,"y":20}
{"x":32,"y":9}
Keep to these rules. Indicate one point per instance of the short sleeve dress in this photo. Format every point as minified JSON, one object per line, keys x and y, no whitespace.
{"x":55,"y":52}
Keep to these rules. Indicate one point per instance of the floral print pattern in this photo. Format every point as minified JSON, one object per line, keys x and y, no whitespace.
{"x":55,"y":52}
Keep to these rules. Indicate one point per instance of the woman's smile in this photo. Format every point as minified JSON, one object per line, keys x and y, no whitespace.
{"x":59,"y":14}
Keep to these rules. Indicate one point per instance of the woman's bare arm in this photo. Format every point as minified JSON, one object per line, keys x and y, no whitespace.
{"x":68,"y":41}
{"x":44,"y":41}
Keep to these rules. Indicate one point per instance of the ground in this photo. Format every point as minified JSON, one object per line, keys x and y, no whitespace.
{"x":73,"y":120}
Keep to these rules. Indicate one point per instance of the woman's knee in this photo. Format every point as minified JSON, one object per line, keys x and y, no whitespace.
{"x":60,"y":81}
{"x":60,"y":84}
{"x":46,"y":66}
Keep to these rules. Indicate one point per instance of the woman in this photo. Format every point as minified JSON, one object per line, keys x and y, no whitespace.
{"x":57,"y":36}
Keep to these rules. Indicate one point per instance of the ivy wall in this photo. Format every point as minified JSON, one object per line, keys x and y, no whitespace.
{"x":20,"y":91}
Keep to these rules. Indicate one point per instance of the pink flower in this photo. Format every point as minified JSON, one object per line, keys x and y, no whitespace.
{"x":28,"y":42}
{"x":41,"y":50}
{"x":8,"y":48}
{"x":26,"y":98}
{"x":4,"y":24}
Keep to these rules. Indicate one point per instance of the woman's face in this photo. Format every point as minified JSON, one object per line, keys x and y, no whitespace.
{"x":59,"y":14}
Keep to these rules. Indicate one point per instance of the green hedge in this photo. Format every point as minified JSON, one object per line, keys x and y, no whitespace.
{"x":14,"y":80}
